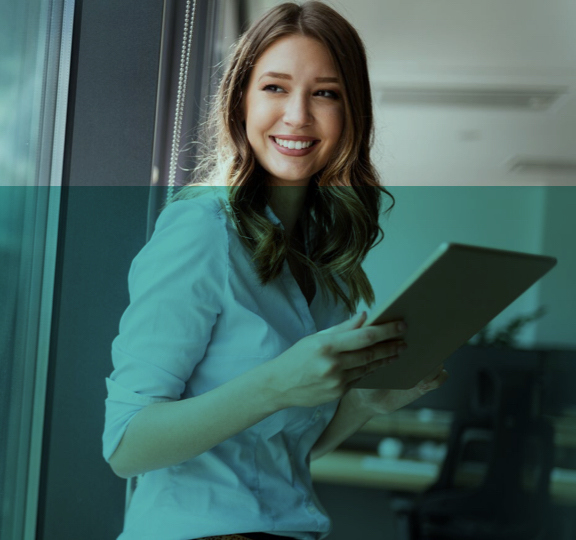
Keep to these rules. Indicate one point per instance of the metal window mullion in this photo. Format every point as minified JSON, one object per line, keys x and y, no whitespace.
{"x":49,"y":176}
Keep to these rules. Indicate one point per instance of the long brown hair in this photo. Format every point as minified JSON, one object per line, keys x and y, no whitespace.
{"x":343,"y":199}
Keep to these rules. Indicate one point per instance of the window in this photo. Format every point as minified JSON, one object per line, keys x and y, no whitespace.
{"x":35,"y":40}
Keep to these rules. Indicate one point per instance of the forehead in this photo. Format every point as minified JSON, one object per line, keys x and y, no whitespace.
{"x":297,"y":56}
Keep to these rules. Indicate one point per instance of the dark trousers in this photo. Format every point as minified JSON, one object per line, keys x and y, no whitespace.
{"x":264,"y":536}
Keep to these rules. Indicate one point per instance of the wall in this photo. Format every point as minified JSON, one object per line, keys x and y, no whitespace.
{"x":559,"y":292}
{"x":109,"y":141}
{"x":534,"y":219}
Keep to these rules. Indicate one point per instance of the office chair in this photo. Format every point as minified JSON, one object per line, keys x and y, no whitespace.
{"x":500,"y":442}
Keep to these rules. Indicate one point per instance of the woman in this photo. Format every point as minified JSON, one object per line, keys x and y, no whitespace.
{"x":231,"y":371}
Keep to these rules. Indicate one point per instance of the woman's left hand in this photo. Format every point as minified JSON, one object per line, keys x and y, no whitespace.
{"x":386,"y":401}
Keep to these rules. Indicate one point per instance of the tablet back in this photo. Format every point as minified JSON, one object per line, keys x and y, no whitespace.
{"x":456,"y":292}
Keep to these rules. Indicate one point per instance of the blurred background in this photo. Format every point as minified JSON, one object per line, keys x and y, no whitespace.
{"x":475,"y":115}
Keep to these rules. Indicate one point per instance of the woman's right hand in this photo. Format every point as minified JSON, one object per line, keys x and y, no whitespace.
{"x":322,"y":367}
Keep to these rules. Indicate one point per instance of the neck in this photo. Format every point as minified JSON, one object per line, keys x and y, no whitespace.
{"x":287,"y":202}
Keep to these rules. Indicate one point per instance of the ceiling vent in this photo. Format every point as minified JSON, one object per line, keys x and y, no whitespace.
{"x":542,"y":166}
{"x":528,"y":98}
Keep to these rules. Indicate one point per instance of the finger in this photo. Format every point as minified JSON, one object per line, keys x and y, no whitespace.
{"x":351,"y":376}
{"x":361,"y":339}
{"x":358,"y":320}
{"x":425,"y":386}
{"x":386,"y":350}
{"x":441,"y":379}
{"x":434,"y":374}
{"x":388,"y":353}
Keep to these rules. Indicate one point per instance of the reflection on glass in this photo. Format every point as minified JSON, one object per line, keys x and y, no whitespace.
{"x":34,"y":66}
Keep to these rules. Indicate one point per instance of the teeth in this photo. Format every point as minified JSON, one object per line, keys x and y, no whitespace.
{"x":298,"y":145}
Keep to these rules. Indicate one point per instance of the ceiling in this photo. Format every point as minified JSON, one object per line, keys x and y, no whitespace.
{"x":470,"y":92}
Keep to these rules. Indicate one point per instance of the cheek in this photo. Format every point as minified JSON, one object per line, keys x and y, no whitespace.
{"x":335,"y":125}
{"x":336,"y":135}
{"x":336,"y":122}
{"x":260,"y":111}
{"x":259,"y":120}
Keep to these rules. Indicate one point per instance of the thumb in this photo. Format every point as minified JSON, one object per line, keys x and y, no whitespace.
{"x":350,"y":324}
{"x":353,"y":322}
{"x":358,"y":320}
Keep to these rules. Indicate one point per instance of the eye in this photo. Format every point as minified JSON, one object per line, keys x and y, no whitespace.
{"x":333,"y":95}
{"x":270,"y":86}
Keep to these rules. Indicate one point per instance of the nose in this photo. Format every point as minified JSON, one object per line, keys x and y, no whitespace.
{"x":297,"y":111}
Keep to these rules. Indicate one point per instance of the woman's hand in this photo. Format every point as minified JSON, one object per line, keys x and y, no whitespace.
{"x":322,"y":367}
{"x":385,"y":401}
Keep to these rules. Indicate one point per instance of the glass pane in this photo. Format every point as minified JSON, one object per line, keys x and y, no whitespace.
{"x":35,"y":40}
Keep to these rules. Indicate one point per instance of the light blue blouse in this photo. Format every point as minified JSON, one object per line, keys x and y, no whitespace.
{"x":197,"y":318}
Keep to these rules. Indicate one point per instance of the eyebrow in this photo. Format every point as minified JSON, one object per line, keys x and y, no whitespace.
{"x":289,"y":77}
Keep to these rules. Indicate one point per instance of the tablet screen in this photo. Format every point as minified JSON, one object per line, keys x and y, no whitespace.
{"x":454,"y":294}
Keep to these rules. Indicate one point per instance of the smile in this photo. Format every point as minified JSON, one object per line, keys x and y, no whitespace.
{"x":294,"y":151}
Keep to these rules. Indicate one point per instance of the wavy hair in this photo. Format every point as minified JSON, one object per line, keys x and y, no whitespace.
{"x":343,"y":199}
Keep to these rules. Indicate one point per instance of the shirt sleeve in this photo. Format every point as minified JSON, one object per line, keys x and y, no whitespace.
{"x":176,"y":285}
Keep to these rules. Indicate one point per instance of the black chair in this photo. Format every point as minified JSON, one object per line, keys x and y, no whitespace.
{"x":494,"y":482}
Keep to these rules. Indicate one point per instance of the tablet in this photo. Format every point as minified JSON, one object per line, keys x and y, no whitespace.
{"x":455,"y":293}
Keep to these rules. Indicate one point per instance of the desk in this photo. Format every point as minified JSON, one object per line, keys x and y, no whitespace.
{"x":428,"y":424}
{"x":366,"y":469}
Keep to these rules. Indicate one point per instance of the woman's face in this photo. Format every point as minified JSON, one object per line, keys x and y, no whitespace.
{"x":291,"y":102}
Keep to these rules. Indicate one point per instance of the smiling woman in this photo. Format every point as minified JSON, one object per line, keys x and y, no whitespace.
{"x":230,"y":372}
{"x":299,"y":72}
